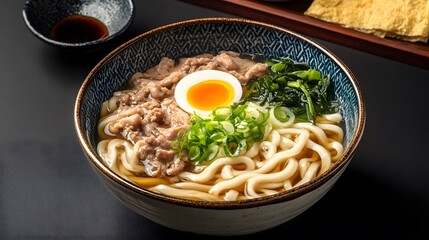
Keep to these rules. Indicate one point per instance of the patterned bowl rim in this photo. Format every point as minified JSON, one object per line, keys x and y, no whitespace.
{"x":238,"y":204}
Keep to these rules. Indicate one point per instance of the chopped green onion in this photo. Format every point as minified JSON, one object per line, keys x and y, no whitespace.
{"x":281,"y":114}
{"x":213,"y":151}
{"x":281,"y":117}
{"x":232,"y":129}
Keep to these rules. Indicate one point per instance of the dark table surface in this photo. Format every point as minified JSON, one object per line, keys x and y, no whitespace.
{"x":49,"y":191}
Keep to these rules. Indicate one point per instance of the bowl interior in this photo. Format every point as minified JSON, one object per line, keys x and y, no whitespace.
{"x":194,"y":37}
{"x":42,"y":15}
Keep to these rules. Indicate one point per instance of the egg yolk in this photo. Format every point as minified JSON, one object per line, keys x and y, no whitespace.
{"x":210,"y":94}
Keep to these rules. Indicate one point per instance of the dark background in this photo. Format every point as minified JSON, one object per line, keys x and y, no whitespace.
{"x":49,"y":191}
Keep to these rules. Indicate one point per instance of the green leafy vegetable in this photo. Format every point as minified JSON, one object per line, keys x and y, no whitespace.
{"x":293,"y":85}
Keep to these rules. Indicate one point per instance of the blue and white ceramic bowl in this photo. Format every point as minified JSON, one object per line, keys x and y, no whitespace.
{"x":212,"y":35}
{"x":115,"y":16}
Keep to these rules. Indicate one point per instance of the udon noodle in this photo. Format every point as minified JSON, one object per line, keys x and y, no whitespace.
{"x":286,"y":158}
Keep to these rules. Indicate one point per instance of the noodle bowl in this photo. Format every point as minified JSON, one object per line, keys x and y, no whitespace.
{"x":254,"y":173}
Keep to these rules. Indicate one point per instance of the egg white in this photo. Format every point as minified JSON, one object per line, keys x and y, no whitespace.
{"x":182,"y":87}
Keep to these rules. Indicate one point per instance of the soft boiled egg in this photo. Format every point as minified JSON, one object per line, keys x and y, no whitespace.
{"x":203,"y":91}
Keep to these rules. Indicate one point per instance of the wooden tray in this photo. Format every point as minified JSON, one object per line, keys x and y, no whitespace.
{"x":290,"y":15}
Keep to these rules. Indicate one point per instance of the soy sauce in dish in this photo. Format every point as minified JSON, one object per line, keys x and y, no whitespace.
{"x":79,"y":29}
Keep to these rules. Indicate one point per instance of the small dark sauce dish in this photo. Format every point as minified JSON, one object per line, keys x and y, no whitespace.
{"x":78,"y":25}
